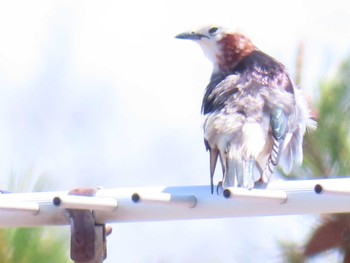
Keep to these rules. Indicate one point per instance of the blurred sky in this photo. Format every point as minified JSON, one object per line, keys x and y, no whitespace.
{"x":100,"y":93}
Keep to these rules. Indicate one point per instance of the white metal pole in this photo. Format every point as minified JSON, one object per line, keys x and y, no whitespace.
{"x":19,"y":206}
{"x":85,"y":202}
{"x":301,"y":199}
{"x":257,"y":195}
{"x":332,"y":189}
{"x":165,"y":198}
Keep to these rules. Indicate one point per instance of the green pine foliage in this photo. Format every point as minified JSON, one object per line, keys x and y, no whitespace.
{"x":327,"y":154}
{"x":33,"y":245}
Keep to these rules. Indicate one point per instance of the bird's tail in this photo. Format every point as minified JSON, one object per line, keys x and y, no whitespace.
{"x":239,"y":173}
{"x":233,"y":172}
{"x":273,"y":159}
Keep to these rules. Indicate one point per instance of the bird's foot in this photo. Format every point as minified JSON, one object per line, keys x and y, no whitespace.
{"x":219,"y":188}
{"x":260,"y":184}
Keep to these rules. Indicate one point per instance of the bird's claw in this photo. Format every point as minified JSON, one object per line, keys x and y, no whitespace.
{"x":219,"y":188}
{"x":260,"y":184}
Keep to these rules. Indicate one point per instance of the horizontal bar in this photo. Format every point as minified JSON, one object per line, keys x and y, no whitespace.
{"x":85,"y":203}
{"x":336,"y":190}
{"x":259,"y":195}
{"x":20,"y":206}
{"x":165,"y":199}
{"x":302,"y":199}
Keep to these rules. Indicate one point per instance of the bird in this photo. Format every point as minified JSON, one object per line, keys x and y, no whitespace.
{"x":255,"y":116}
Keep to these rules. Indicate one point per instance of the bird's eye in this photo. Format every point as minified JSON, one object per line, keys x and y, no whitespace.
{"x":213,"y":31}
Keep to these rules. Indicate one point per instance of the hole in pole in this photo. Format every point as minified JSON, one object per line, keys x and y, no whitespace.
{"x":56,"y":201}
{"x":227,"y":193}
{"x":135,"y":198}
{"x":318,"y":188}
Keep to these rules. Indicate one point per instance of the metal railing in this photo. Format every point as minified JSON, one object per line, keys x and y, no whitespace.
{"x":100,"y":206}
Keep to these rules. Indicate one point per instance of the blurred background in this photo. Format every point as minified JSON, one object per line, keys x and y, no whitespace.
{"x":100,"y":93}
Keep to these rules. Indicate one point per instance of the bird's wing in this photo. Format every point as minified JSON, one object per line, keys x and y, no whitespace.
{"x":218,"y":91}
{"x":278,"y":123}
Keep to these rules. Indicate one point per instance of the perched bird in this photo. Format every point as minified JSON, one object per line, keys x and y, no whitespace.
{"x":255,"y":118}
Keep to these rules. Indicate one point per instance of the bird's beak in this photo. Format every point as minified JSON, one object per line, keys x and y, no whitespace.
{"x":191,"y":35}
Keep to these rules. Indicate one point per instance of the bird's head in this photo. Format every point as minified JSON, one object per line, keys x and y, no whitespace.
{"x":223,"y":47}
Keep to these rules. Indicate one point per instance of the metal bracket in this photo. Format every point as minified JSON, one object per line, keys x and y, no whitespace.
{"x":88,"y":239}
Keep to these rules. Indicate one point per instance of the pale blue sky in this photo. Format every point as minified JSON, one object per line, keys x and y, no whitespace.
{"x":100,"y":93}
